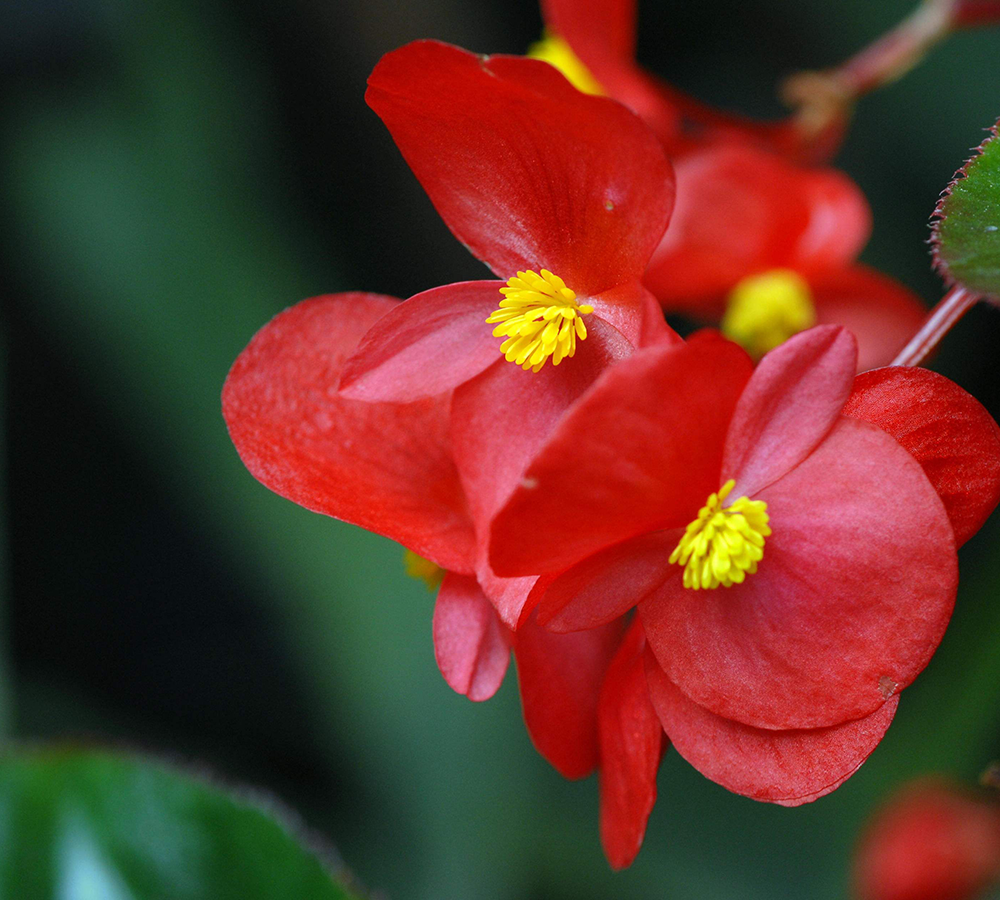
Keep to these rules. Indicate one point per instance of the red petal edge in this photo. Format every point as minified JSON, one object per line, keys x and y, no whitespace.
{"x":560,"y":677}
{"x":471,"y":646}
{"x":632,"y":743}
{"x":773,"y":766}
{"x":946,"y":429}
{"x":385,"y":467}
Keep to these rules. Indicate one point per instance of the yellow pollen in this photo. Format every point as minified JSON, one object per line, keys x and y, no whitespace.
{"x":429,"y":573}
{"x":556,"y":52}
{"x":723,"y":544}
{"x":766,"y":310}
{"x":540,"y":318}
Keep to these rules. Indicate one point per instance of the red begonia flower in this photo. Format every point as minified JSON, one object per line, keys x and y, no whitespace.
{"x":532,"y":176}
{"x":858,"y":571}
{"x":742,"y":210}
{"x":931,"y":842}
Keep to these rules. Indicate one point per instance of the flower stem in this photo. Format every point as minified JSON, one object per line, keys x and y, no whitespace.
{"x":955,"y":304}
{"x":824,"y":98}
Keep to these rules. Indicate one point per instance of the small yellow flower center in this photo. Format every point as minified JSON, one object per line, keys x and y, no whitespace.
{"x":429,"y":573}
{"x":766,"y":310}
{"x":540,"y":318}
{"x":556,"y":52}
{"x":723,"y":544}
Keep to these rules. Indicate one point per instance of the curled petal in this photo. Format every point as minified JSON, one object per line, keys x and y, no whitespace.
{"x":426,"y":345}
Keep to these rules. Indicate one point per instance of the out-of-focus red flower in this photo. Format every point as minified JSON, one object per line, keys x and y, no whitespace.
{"x":762,"y":237}
{"x":388,"y":468}
{"x":791,"y":553}
{"x":933,"y":841}
{"x":769,"y":248}
{"x":563,"y":195}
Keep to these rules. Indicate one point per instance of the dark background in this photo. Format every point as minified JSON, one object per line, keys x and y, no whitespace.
{"x":174,"y":173}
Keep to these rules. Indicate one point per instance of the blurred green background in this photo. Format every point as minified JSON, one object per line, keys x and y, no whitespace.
{"x":173,"y":174}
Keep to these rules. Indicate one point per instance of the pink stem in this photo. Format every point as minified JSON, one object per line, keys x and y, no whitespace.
{"x":955,"y":304}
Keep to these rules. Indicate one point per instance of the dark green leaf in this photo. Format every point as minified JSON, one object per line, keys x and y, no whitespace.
{"x":89,"y":825}
{"x":967,"y":223}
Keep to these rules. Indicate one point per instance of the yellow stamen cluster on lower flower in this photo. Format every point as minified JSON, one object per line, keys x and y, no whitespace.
{"x":556,"y":52}
{"x":723,"y":544}
{"x":540,"y":318}
{"x":417,"y":567}
{"x":766,"y":310}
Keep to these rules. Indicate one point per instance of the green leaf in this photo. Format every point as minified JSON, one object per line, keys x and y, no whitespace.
{"x":966,"y":236}
{"x":92,"y":825}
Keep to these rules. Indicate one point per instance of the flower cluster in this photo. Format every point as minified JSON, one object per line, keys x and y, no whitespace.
{"x":554,"y":456}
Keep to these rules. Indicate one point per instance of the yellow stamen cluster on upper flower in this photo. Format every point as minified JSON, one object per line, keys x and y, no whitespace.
{"x":429,"y":573}
{"x":766,"y":310}
{"x":724,"y":543}
{"x":556,"y":52}
{"x":540,"y":318}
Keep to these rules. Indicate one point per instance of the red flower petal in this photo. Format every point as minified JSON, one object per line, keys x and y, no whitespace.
{"x":631,"y":744}
{"x":881,"y":313}
{"x":850,"y":601}
{"x":640,"y":452}
{"x":501,"y":417}
{"x":948,"y":432}
{"x":525,"y":170}
{"x":472,"y":648}
{"x":791,"y":402}
{"x":774,"y":766}
{"x":385,"y":467}
{"x":560,"y":677}
{"x":426,"y":345}
{"x":741,"y":211}
{"x":608,"y":584}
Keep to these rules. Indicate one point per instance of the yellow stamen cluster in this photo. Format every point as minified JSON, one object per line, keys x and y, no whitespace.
{"x":766,"y":310}
{"x":417,"y":567}
{"x":540,"y":318}
{"x":556,"y":52}
{"x":723,"y":544}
